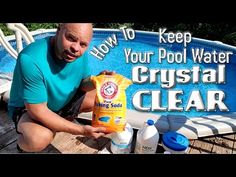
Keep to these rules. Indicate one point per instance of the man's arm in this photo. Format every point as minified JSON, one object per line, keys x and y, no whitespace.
{"x":53,"y":121}
{"x":87,"y":85}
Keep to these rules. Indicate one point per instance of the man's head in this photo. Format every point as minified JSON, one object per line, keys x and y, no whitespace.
{"x":72,"y":40}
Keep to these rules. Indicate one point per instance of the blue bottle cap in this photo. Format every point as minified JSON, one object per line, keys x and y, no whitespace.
{"x":150,"y":122}
{"x":175,"y":141}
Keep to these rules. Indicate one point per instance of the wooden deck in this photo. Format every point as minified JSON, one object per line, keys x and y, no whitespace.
{"x":65,"y":143}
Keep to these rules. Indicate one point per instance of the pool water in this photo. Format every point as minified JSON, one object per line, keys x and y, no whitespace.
{"x":115,"y":60}
{"x":7,"y":62}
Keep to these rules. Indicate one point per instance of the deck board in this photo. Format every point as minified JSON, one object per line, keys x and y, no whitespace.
{"x":202,"y":146}
{"x":10,"y":149}
{"x":223,"y":144}
{"x":65,"y":143}
{"x":8,"y":138}
{"x":8,"y":134}
{"x":191,"y":143}
{"x":92,"y":146}
{"x":234,"y":145}
{"x":6,"y":124}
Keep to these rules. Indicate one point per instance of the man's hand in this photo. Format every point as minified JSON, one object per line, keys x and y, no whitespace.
{"x":94,"y":132}
{"x":87,"y":85}
{"x":106,"y":72}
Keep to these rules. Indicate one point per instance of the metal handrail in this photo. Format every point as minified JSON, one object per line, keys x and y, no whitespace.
{"x":21,"y":32}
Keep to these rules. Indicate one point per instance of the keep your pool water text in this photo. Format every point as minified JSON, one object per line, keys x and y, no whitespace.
{"x":172,"y":48}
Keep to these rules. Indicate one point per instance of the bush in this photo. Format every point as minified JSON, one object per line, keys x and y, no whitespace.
{"x":30,"y":26}
{"x":224,"y":32}
{"x":35,"y":26}
{"x":5,"y":30}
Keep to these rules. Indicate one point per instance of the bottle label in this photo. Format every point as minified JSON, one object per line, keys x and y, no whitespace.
{"x":120,"y":148}
{"x":121,"y":145}
{"x":144,"y":149}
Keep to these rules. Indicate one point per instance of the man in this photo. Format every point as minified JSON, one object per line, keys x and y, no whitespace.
{"x":51,"y":85}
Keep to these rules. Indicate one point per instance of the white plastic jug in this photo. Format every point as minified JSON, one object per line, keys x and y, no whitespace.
{"x":121,"y":141}
{"x":147,"y":139}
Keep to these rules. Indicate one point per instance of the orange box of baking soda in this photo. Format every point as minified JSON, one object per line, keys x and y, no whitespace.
{"x":110,"y":103}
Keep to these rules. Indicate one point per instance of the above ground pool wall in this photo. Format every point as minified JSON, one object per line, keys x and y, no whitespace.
{"x":200,"y":126}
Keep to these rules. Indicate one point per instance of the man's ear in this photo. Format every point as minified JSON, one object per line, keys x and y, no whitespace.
{"x":59,"y":27}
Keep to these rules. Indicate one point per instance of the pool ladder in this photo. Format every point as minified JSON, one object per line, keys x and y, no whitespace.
{"x":21,"y":32}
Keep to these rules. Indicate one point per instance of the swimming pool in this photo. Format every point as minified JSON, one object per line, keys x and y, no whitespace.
{"x":115,"y":60}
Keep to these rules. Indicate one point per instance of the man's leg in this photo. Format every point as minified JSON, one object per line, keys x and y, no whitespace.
{"x":81,"y":102}
{"x":33,"y":137}
{"x":88,"y":102}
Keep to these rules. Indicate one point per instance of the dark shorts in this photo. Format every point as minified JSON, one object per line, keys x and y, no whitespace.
{"x":69,"y":111}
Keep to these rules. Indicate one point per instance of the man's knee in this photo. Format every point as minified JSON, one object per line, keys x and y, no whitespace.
{"x":36,"y":142}
{"x":41,"y":140}
{"x":86,"y":107}
{"x":34,"y":137}
{"x":88,"y":102}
